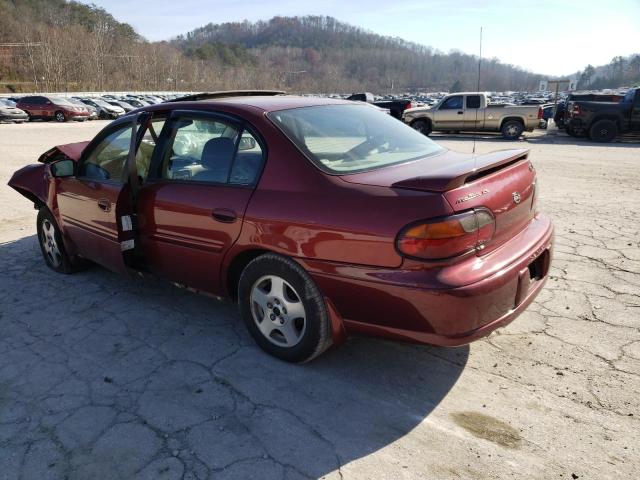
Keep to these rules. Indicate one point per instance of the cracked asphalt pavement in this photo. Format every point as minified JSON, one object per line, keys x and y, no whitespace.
{"x":105,"y":377}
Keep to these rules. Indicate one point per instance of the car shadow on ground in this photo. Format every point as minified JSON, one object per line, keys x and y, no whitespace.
{"x":107,"y":377}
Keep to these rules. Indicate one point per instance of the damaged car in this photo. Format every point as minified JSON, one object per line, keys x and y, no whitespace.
{"x":322,"y":218}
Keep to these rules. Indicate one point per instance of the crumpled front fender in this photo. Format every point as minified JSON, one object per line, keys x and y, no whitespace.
{"x":33,"y":182}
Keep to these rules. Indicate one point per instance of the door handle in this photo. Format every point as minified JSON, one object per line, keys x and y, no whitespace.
{"x":224,"y":215}
{"x":460,"y":113}
{"x":104,"y":204}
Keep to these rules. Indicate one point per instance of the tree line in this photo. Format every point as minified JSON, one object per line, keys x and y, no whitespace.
{"x":620,"y":72}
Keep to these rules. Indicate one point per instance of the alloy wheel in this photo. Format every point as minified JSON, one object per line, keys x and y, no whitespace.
{"x":278,"y":311}
{"x":48,"y":239}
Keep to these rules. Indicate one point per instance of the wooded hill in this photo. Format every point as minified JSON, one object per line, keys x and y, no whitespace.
{"x":620,"y":72}
{"x":57,"y":45}
{"x":322,"y":54}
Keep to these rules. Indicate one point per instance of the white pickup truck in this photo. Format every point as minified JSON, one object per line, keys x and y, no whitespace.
{"x":470,"y":111}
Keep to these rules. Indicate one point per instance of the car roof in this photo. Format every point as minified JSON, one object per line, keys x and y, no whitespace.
{"x":266,"y":103}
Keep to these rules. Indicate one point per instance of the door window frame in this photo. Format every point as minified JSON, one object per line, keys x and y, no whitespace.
{"x":167,"y":136}
{"x":104,"y":133}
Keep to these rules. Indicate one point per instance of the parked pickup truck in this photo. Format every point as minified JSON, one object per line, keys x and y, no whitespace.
{"x":471,"y":112}
{"x":602,"y":121}
{"x":396,"y":107}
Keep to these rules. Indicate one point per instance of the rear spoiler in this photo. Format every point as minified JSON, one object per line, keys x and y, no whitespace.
{"x":450,"y":178}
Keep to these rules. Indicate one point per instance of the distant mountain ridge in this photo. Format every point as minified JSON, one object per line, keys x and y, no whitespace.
{"x":330,"y":50}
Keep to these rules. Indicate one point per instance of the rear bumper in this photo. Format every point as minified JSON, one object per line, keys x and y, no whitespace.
{"x":14,"y":118}
{"x":575,"y":123}
{"x":449,"y":306}
{"x":23,"y":117}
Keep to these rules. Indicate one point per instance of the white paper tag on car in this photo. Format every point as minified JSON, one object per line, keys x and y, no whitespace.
{"x":127,"y":224}
{"x":127,"y":245}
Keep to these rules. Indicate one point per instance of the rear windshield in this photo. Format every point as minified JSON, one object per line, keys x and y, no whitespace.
{"x":343,"y":139}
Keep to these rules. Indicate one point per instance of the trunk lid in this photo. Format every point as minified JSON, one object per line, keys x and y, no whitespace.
{"x":503,"y":182}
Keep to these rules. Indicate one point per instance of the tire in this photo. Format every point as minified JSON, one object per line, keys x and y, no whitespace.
{"x":603,"y":131}
{"x":59,"y":117}
{"x":512,"y":129}
{"x":52,"y":247}
{"x":283,"y":309}
{"x":573,"y":132}
{"x":422,"y":126}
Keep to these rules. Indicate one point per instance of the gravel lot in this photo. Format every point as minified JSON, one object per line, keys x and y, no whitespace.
{"x":103,"y":377}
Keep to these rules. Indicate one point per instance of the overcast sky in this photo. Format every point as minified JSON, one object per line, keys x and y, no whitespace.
{"x":545,"y":36}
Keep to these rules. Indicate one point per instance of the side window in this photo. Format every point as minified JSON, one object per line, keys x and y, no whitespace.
{"x":147,"y":145}
{"x":452,"y":103}
{"x":473,"y":101}
{"x":202,"y":151}
{"x":107,"y":161}
{"x":248,"y":161}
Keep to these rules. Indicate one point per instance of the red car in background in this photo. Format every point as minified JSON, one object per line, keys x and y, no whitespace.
{"x":52,"y":108}
{"x":321,"y":217}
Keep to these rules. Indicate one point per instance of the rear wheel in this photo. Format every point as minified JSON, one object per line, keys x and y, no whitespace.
{"x":603,"y":131}
{"x":512,"y":129}
{"x":59,"y":116}
{"x":283,"y":309}
{"x":422,"y":126}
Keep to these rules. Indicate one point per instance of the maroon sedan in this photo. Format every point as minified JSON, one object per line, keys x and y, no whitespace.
{"x":52,"y":108}
{"x":321,"y":217}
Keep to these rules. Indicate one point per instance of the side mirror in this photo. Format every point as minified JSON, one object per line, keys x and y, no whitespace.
{"x":246,"y":143}
{"x":63,"y":168}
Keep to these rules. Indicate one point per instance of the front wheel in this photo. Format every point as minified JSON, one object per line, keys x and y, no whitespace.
{"x":422,"y":126}
{"x":283,"y":309}
{"x":52,"y":247}
{"x":512,"y":129}
{"x":59,"y":117}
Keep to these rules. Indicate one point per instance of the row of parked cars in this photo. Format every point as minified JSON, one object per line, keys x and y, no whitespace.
{"x":76,"y":108}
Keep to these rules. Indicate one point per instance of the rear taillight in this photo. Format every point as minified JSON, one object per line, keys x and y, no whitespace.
{"x":447,"y":237}
{"x":408,"y":105}
{"x":540,"y":113}
{"x":576,"y":110}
